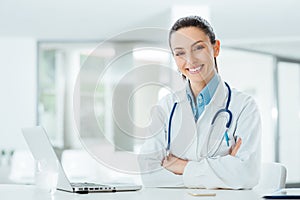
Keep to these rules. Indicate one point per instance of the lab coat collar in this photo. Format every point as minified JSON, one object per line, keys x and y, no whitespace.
{"x":219,"y":98}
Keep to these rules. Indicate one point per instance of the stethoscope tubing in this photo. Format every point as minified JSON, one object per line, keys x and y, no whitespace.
{"x":226,"y":110}
{"x":170,"y":123}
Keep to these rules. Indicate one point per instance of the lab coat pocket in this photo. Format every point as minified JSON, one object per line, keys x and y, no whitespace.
{"x":222,"y":145}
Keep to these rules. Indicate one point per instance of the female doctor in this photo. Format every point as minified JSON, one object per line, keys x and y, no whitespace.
{"x":207,"y":135}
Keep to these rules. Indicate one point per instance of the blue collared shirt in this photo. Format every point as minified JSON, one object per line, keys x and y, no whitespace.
{"x":204,"y":96}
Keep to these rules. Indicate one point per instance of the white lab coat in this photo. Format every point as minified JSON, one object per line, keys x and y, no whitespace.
{"x":189,"y":141}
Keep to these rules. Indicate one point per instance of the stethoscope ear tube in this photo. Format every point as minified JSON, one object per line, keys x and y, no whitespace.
{"x":227,"y":106}
{"x":226,"y":109}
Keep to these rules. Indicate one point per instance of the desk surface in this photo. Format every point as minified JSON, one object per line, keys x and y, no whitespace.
{"x":30,"y":192}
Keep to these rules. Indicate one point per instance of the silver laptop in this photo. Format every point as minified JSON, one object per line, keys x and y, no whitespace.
{"x":41,"y":148}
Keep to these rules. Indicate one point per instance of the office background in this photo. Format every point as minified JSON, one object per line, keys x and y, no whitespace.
{"x":43,"y":45}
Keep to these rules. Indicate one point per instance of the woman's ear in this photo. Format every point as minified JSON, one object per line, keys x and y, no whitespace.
{"x":217,"y":48}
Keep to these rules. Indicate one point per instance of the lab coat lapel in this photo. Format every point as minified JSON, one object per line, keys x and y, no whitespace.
{"x":184,"y":128}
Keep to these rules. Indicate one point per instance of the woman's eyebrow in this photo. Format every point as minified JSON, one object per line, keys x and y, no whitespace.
{"x":178,"y":48}
{"x":197,"y":42}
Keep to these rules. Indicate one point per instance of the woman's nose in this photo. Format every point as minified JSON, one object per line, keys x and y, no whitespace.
{"x":190,"y":59}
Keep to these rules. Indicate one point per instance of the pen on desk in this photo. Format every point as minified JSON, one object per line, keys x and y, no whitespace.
{"x":202,"y":194}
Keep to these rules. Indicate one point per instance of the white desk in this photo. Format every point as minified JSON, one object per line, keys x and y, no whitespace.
{"x":30,"y":192}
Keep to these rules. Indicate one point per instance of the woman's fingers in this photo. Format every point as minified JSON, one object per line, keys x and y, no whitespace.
{"x":236,"y":147}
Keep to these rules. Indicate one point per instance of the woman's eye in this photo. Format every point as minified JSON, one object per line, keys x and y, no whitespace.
{"x":198,"y":47}
{"x":179,"y":53}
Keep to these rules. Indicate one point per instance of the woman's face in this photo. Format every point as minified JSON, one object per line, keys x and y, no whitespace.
{"x":194,"y":54}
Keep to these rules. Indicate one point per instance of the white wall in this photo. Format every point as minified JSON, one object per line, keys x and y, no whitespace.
{"x":18,"y":89}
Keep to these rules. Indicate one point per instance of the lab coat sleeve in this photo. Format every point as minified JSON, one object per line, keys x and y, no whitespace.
{"x":239,"y":172}
{"x":152,"y":153}
{"x":153,"y":174}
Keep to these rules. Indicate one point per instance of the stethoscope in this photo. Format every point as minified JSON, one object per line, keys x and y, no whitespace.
{"x":225,"y":135}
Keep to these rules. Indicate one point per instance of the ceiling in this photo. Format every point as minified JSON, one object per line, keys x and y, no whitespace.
{"x":265,"y":26}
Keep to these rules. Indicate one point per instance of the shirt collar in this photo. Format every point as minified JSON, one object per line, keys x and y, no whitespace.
{"x":207,"y":92}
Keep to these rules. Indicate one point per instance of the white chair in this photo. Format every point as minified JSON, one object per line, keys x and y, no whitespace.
{"x":272,"y":178}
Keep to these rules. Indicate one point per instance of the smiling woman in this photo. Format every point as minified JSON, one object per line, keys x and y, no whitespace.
{"x":208,"y":134}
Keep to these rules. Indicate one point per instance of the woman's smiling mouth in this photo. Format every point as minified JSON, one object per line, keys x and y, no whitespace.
{"x":195,"y":70}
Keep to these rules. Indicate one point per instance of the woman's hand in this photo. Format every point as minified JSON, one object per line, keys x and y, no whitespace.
{"x":174,"y":164}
